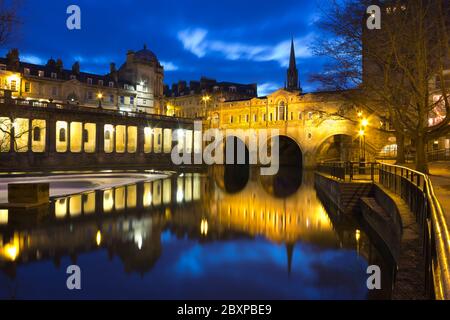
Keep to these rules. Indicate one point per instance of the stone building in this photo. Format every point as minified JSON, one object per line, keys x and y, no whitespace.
{"x":137,"y":86}
{"x":193,"y":100}
{"x":322,"y":124}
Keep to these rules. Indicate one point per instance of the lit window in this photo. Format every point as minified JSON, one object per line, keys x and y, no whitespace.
{"x":26,"y":71}
{"x":40,"y":73}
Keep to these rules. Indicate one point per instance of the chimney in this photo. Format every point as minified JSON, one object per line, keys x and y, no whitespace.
{"x":113,"y":71}
{"x":76,"y":68}
{"x":59,"y":65}
{"x":13,"y":59}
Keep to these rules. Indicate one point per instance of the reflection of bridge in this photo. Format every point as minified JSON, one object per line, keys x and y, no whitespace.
{"x":128,"y":220}
{"x":320,"y":124}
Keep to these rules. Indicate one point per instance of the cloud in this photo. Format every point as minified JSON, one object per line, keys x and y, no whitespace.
{"x":196,"y":41}
{"x":169,"y":66}
{"x":193,"y":41}
{"x":266,"y":88}
{"x":31,"y":59}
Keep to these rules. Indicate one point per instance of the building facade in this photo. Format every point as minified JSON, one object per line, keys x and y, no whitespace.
{"x":137,"y":86}
{"x":192,"y":101}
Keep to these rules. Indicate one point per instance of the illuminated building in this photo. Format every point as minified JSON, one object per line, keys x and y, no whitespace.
{"x":136,"y":86}
{"x":192,"y":101}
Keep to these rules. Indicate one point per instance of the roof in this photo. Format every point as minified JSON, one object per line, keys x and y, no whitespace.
{"x":146,"y":55}
{"x":62,"y":74}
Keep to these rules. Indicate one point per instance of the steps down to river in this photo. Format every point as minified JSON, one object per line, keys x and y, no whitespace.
{"x":345,"y":195}
{"x":390,"y":221}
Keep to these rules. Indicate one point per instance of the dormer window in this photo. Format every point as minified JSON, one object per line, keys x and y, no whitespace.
{"x":40,"y":73}
{"x":26,"y":71}
{"x":73,"y":77}
{"x":54,"y":75}
{"x":89,"y":81}
{"x":100,"y":82}
{"x":111,"y":84}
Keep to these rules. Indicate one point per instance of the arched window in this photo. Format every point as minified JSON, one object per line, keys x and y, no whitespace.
{"x":62,"y":135}
{"x":37,"y":134}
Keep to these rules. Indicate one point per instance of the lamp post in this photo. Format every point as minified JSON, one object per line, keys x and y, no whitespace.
{"x":100,"y":97}
{"x":362,"y":138}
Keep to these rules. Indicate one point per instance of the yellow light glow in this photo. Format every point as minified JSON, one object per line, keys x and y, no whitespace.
{"x":204,"y":227}
{"x":3,"y":216}
{"x":206,"y":98}
{"x":100,"y":95}
{"x":361,"y":133}
{"x":365,"y":122}
{"x":360,"y":114}
{"x":11,"y":250}
{"x":98,"y":238}
{"x":13,"y":77}
{"x":357,"y":235}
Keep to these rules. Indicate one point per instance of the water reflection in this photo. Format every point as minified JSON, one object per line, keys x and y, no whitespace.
{"x":221,"y":229}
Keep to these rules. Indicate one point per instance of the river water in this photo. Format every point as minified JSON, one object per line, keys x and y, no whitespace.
{"x":225,"y":234}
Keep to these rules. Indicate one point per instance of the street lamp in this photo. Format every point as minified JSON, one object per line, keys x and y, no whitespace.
{"x":100,"y":97}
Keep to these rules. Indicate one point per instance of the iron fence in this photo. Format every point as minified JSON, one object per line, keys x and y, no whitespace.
{"x":416,"y":189}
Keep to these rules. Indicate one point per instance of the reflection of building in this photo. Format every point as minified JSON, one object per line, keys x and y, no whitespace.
{"x":257,"y":212}
{"x":192,"y":101}
{"x":136,"y":86}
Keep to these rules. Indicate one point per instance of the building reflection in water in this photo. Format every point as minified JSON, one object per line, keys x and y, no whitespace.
{"x":128,"y":221}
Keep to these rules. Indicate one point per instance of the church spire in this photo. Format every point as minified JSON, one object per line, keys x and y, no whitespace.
{"x":292,"y":72}
{"x":292,"y":62}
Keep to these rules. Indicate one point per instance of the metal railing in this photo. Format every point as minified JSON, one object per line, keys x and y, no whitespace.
{"x":416,"y":189}
{"x":439,"y":155}
{"x":76,"y":107}
{"x":349,"y":171}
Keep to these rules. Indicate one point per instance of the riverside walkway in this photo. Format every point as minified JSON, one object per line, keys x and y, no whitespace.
{"x":427,"y":196}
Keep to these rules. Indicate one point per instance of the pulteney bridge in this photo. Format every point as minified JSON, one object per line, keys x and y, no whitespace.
{"x":312,"y":127}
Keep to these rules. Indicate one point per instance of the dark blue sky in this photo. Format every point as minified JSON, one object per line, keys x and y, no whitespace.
{"x":235,"y":40}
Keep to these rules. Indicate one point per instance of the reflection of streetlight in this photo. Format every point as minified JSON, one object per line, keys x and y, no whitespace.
{"x":204,"y":227}
{"x":357,"y":237}
{"x":98,"y":238}
{"x":99,"y":97}
{"x":205,"y":99}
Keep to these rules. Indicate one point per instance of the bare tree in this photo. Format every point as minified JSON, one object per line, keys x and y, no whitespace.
{"x":394,"y":68}
{"x":8,"y":20}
